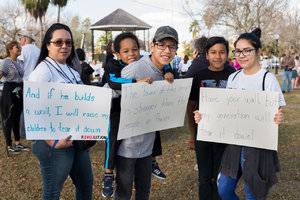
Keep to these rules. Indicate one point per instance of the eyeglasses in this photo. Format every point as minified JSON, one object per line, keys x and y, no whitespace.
{"x":163,"y":46}
{"x":60,"y":43}
{"x":18,"y":46}
{"x":245,"y":52}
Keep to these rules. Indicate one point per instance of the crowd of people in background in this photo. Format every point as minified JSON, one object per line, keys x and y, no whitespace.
{"x":131,"y":162}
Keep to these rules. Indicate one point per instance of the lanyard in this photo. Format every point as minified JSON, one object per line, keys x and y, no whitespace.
{"x":61,"y":72}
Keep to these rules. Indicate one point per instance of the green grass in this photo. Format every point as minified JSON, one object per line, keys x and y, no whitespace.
{"x":20,"y":175}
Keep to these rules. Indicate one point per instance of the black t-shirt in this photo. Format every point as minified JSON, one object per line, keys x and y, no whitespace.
{"x":87,"y":70}
{"x":208,"y":78}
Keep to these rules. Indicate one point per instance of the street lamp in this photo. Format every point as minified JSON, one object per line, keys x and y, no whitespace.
{"x":276,"y":36}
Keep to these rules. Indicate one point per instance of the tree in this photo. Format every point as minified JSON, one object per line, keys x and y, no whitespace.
{"x":292,"y":36}
{"x":102,"y":41}
{"x":86,"y":33}
{"x":37,"y":9}
{"x":187,"y":48}
{"x":194,"y":29}
{"x":11,"y":19}
{"x":243,"y":15}
{"x":81,"y":32}
{"x":59,"y":4}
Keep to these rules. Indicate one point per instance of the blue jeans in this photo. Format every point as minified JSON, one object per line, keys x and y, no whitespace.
{"x":227,"y":185}
{"x":287,"y":76}
{"x":57,"y":164}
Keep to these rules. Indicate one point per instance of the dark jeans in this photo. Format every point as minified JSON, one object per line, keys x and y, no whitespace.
{"x":157,"y":149}
{"x":11,"y":108}
{"x":111,"y":143}
{"x":209,"y":156}
{"x":129,"y":170}
{"x":57,"y":164}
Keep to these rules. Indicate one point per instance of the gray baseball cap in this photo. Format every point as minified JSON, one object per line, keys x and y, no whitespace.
{"x":165,"y":32}
{"x":25,"y":33}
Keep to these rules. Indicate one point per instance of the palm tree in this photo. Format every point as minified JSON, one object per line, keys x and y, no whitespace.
{"x":194,"y":29}
{"x":60,"y":4}
{"x":37,"y":9}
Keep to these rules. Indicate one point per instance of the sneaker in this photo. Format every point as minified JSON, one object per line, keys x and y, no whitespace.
{"x":13,"y":150}
{"x":22,"y":147}
{"x":107,"y":185}
{"x":156,"y":172}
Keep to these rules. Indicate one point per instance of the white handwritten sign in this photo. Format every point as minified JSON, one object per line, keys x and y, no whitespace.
{"x":151,"y":107}
{"x":57,"y":110}
{"x":238,"y":117}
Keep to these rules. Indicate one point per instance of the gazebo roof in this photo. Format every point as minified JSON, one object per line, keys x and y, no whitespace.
{"x":120,"y":20}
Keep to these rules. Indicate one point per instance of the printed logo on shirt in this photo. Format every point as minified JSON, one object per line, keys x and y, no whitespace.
{"x":214,"y":83}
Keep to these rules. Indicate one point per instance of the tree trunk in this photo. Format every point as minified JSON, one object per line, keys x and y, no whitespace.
{"x":42,"y":30}
{"x":58,"y":14}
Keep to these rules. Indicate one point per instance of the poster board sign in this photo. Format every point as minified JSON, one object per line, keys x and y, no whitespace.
{"x":238,"y":117}
{"x":151,"y":107}
{"x":57,"y":110}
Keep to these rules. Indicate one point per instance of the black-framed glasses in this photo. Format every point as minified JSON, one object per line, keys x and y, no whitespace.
{"x":60,"y":43}
{"x":245,"y":52}
{"x":162,"y":46}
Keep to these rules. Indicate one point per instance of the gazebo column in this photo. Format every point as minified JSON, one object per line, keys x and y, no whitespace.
{"x":106,"y":37}
{"x":148,"y":40}
{"x":145,"y":40}
{"x":93,"y":49}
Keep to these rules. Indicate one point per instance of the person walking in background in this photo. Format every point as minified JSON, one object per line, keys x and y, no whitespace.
{"x":295,"y":76}
{"x":12,"y":97}
{"x":297,"y":68}
{"x":86,"y":70}
{"x":175,"y":65}
{"x":60,"y":158}
{"x":184,"y":65}
{"x":288,"y":63}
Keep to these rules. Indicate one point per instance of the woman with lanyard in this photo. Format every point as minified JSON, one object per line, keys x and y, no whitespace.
{"x":60,"y":158}
{"x":12,"y":97}
{"x":257,"y":166}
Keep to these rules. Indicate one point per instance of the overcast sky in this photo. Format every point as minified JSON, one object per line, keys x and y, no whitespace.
{"x":154,"y":12}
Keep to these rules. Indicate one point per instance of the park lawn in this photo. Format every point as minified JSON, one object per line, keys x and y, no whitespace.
{"x":20,"y":175}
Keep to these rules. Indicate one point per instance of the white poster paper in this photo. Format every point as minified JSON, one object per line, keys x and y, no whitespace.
{"x":57,"y":110}
{"x":238,"y":117}
{"x":151,"y":107}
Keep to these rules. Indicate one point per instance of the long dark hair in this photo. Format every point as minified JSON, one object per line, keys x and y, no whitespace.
{"x":72,"y":60}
